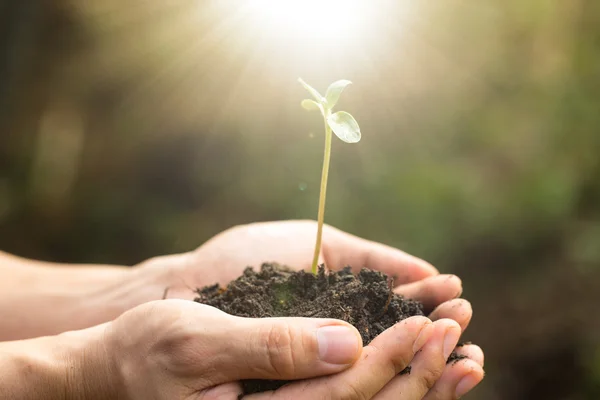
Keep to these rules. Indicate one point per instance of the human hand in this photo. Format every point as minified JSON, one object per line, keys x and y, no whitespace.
{"x":178,"y":349}
{"x":224,"y":257}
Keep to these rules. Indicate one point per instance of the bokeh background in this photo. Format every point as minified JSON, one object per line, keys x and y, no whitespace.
{"x":133,"y":129}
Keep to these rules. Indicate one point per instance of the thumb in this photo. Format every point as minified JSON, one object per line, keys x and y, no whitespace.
{"x":284,"y":348}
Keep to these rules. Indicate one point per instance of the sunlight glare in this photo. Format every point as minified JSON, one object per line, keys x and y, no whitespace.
{"x":327,"y":20}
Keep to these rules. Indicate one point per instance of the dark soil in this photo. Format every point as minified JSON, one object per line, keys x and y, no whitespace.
{"x":365,"y":300}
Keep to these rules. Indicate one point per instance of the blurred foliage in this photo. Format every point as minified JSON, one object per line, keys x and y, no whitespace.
{"x":142,"y":129}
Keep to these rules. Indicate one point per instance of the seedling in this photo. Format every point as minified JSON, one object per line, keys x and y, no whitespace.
{"x":344,"y":126}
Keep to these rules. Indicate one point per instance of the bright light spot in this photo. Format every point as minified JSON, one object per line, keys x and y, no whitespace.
{"x":329,"y":20}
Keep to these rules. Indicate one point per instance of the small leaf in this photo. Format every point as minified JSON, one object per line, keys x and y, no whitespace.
{"x":334,"y":92}
{"x":312,"y":91}
{"x":344,"y":126}
{"x":311,"y":105}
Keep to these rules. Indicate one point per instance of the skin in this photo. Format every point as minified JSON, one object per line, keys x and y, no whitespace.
{"x":123,"y":344}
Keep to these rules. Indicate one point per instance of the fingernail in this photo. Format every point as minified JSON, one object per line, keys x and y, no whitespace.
{"x":450,"y":340}
{"x":338,"y":344}
{"x":423,"y":337}
{"x":465,"y":385}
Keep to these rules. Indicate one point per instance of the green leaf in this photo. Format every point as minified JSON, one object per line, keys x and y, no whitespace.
{"x":311,"y":105}
{"x":312,"y":91}
{"x":344,"y":126}
{"x":334,"y":92}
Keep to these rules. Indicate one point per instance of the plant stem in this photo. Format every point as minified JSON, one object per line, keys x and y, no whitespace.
{"x":323,"y":193}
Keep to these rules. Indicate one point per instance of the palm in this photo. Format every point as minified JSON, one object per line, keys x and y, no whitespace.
{"x":225,"y":256}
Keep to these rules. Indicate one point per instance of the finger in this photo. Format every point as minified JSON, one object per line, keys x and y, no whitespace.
{"x":235,"y":348}
{"x":230,"y":390}
{"x":427,"y":366}
{"x":459,"y":310}
{"x":341,"y":249}
{"x":457,"y":380}
{"x":473,"y":352}
{"x":387,"y":355}
{"x":432,"y":291}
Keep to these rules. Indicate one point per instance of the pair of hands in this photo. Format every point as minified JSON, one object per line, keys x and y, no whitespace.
{"x":176,"y":349}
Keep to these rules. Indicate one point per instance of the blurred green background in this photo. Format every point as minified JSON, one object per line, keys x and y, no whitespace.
{"x":139,"y":128}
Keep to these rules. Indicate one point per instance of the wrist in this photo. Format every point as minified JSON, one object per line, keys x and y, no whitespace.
{"x":89,"y":364}
{"x":69,"y":366}
{"x":43,"y":299}
{"x":136,"y":285}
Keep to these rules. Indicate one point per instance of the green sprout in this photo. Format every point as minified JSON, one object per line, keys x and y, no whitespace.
{"x":344,"y":126}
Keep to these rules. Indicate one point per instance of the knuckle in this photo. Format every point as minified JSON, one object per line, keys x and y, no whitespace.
{"x":397,"y":360}
{"x":402,"y":361}
{"x":279,"y":340}
{"x":429,"y":375}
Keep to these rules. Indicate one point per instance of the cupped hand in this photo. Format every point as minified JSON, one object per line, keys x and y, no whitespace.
{"x":176,"y":349}
{"x":224,"y":257}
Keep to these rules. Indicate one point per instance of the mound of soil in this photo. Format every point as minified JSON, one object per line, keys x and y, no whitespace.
{"x":365,"y":300}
